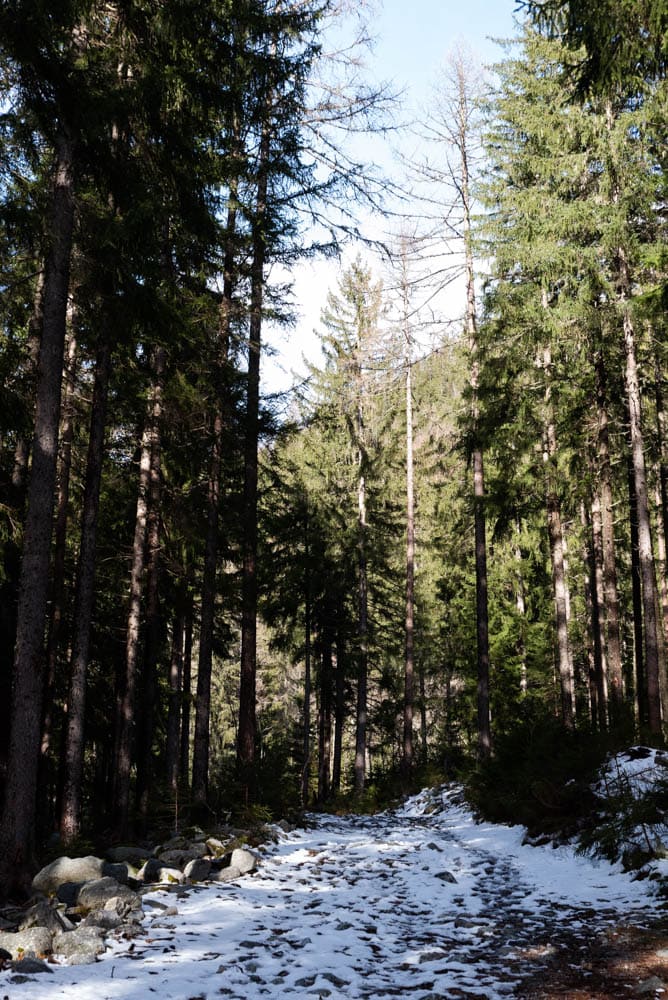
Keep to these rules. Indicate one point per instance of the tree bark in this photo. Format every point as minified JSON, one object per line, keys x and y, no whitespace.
{"x":362,"y":624}
{"x":175,"y":682}
{"x":325,"y":721}
{"x":17,"y":829}
{"x":184,"y":753}
{"x":556,"y":539}
{"x":306,"y":719}
{"x":247,"y":687}
{"x":339,"y":702}
{"x":71,"y":804}
{"x":645,"y":553}
{"x":409,"y":654}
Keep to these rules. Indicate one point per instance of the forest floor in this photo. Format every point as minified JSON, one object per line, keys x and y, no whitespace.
{"x":419,"y":902}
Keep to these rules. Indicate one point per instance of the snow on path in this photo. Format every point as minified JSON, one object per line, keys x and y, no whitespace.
{"x":364,"y":908}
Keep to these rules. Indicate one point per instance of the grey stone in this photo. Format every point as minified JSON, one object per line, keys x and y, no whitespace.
{"x":129,"y":853}
{"x":446,"y":877}
{"x":154,"y":871}
{"x":150,"y":871}
{"x":42,"y":914}
{"x":229,"y":874}
{"x":197,"y":870}
{"x":179,"y":857}
{"x":215,"y":847}
{"x":29,"y":966}
{"x":67,"y":870}
{"x":67,"y":892}
{"x":80,"y":946}
{"x":108,"y":920}
{"x":118,"y":870}
{"x":34,"y":939}
{"x":244,"y":860}
{"x":94,"y":895}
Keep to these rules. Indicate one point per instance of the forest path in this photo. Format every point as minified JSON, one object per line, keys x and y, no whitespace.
{"x":420,"y":902}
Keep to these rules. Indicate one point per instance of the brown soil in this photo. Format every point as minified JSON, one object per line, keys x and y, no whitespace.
{"x":624,"y":961}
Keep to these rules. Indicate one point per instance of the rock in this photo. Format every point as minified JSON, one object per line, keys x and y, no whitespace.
{"x":118,"y":870}
{"x":67,"y":892}
{"x":35,"y":940}
{"x":215,"y":847}
{"x":181,"y":857}
{"x":244,"y":860}
{"x":228,"y":874}
{"x":94,"y":895}
{"x":128,"y":908}
{"x":197,"y":870}
{"x":446,"y":877}
{"x":132,"y":855}
{"x":155,"y":871}
{"x":67,"y":870}
{"x":30,"y":967}
{"x":80,"y":946}
{"x":107,"y":920}
{"x":42,"y":914}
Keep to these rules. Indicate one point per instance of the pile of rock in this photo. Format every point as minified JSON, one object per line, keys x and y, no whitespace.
{"x":80,"y":902}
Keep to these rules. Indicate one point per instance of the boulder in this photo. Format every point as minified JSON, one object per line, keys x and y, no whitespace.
{"x":155,"y":871}
{"x":94,"y":895}
{"x":29,"y":967}
{"x":229,"y":874}
{"x":244,"y":860}
{"x":118,"y":870}
{"x":215,"y":847}
{"x":33,"y":941}
{"x":80,"y":946}
{"x":67,"y":869}
{"x":197,"y":870}
{"x":181,"y":856}
{"x":42,"y":914}
{"x":67,"y":892}
{"x":128,"y":853}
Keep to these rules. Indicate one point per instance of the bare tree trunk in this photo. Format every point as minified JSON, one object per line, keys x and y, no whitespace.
{"x":595,"y":599}
{"x":70,"y":811}
{"x":636,"y":591}
{"x":247,"y":687}
{"x":58,"y":588}
{"x":17,"y":829}
{"x":556,"y":538}
{"x":409,"y":665}
{"x":646,"y":556}
{"x":339,"y":702}
{"x":362,"y":624}
{"x":613,"y":644}
{"x":306,"y":721}
{"x":184,"y":752}
{"x":146,"y":716}
{"x":124,"y":751}
{"x":325,"y":721}
{"x":200,"y":769}
{"x":22,"y":449}
{"x":520,"y":604}
{"x":174,"y":681}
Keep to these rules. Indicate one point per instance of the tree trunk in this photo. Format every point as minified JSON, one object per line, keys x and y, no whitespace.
{"x":556,"y":538}
{"x":200,"y":769}
{"x":409,"y":657}
{"x":152,"y":642}
{"x":70,"y":812}
{"x":247,"y":696}
{"x":174,"y":681}
{"x":124,"y":750}
{"x":595,"y":598}
{"x":339,"y":703}
{"x":613,"y":644}
{"x":17,"y":830}
{"x":306,"y":721}
{"x":362,"y":629}
{"x":636,"y":592}
{"x":184,"y":753}
{"x":645,"y":553}
{"x":325,"y":721}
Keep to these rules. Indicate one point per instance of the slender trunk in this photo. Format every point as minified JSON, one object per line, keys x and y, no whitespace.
{"x":124,"y":751}
{"x":17,"y":829}
{"x":595,"y":597}
{"x":174,"y":682}
{"x":325,"y":721}
{"x":306,"y":722}
{"x":70,"y":813}
{"x":662,"y":594}
{"x":152,"y":642}
{"x":247,"y":696}
{"x":646,"y":557}
{"x":613,"y":644}
{"x":424,"y":747}
{"x":520,"y":604}
{"x":184,"y":752}
{"x":339,"y":703}
{"x":407,"y":760}
{"x":362,"y":623}
{"x":200,"y":769}
{"x":22,"y":449}
{"x":58,"y":588}
{"x":556,"y":539}
{"x":636,"y":592}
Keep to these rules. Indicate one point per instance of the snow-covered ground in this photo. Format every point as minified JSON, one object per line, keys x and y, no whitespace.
{"x":421,"y":901}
